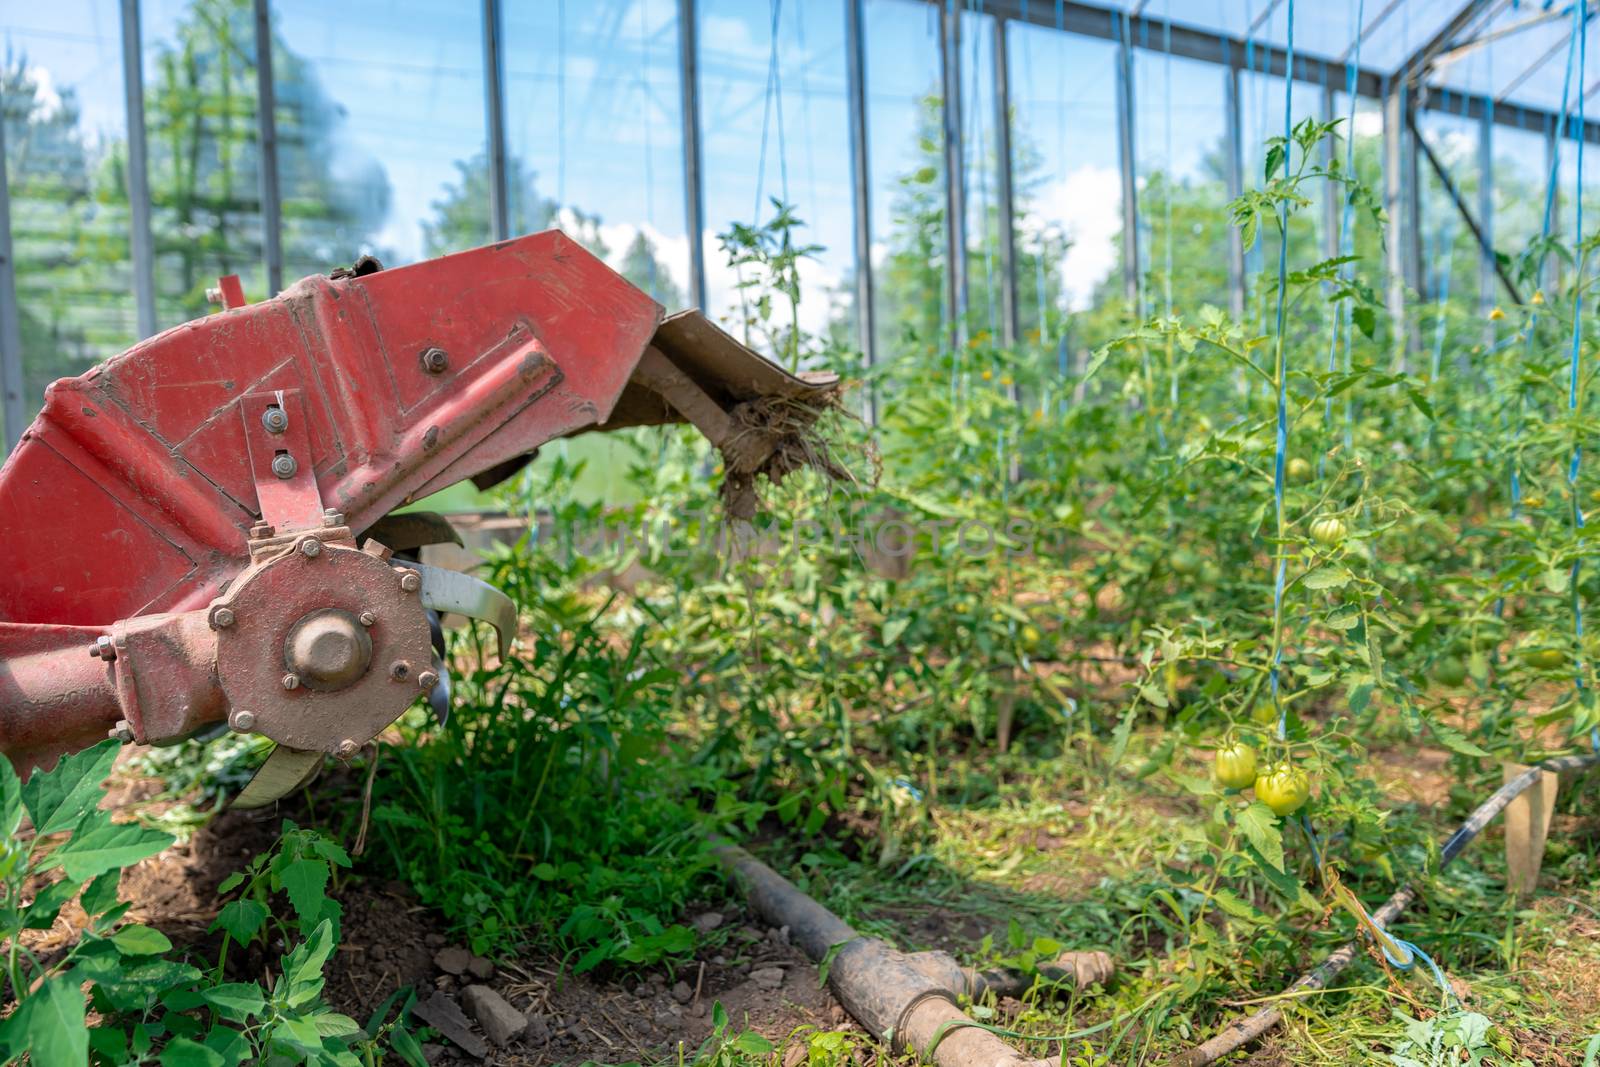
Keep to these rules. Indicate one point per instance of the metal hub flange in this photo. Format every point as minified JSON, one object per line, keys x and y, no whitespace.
{"x":322,"y":649}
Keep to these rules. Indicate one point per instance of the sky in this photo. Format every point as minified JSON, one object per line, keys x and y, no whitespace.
{"x":593,"y":106}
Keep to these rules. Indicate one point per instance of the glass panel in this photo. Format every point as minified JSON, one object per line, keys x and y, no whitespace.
{"x":776,"y":127}
{"x":1451,"y":318}
{"x":1538,"y":77}
{"x":901,"y":38}
{"x":980,"y":180}
{"x":594,"y":128}
{"x":61,"y":83}
{"x":1182,"y":151}
{"x":1521,"y":177}
{"x":381,"y":131}
{"x":200,"y":122}
{"x":1069,"y":184}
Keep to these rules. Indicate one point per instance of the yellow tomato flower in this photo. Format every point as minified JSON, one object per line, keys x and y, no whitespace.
{"x":1496,"y":315}
{"x":987,"y":375}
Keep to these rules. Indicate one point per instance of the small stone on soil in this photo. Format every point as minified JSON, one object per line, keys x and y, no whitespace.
{"x":452,"y":960}
{"x":767,"y":977}
{"x":445,"y":1016}
{"x":682,"y":993}
{"x":537,"y":1031}
{"x":434,"y":940}
{"x":480,"y":967}
{"x":707,"y":921}
{"x":719,"y":961}
{"x":494,"y":1013}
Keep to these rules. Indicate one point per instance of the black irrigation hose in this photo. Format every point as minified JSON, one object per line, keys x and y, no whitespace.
{"x":1241,"y":1033}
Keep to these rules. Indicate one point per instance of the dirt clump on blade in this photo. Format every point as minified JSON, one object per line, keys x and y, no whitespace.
{"x":775,"y":436}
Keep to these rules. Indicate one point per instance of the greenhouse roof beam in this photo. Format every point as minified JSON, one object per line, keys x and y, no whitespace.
{"x":1189,"y":42}
{"x":1478,"y":232}
{"x":1416,"y":66}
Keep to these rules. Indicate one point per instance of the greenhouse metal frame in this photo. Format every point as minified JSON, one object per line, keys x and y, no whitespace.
{"x":1402,"y":93}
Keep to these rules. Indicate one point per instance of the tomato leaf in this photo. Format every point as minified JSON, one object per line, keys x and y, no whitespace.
{"x":1260,"y":827}
{"x":241,"y":919}
{"x":98,"y":845}
{"x":58,"y":798}
{"x":137,"y":940}
{"x":48,"y":1026}
{"x":306,"y":882}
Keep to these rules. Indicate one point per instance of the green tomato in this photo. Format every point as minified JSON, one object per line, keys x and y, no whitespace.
{"x":1264,"y":713}
{"x":1284,"y":788}
{"x":1297,"y":469}
{"x":1236,"y":765}
{"x":1450,"y":671}
{"x":1542,"y":657}
{"x":1329,"y":531}
{"x":1184,"y":562}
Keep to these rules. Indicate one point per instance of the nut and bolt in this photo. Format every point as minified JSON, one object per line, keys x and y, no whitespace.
{"x":367,"y":618}
{"x":427,"y":680}
{"x":241,"y":721}
{"x":332,"y":517}
{"x":213,"y":294}
{"x":399,"y":670}
{"x":103,"y":648}
{"x":275,"y":420}
{"x":410,"y":581}
{"x":262,"y":530}
{"x":123,"y":732}
{"x":311,"y":548}
{"x":222,"y":618}
{"x":284,"y":466}
{"x":346,"y":749}
{"x":291,"y":681}
{"x":434,"y":360}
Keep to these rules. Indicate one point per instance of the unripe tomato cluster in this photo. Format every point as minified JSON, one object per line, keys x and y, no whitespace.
{"x":1282,"y":787}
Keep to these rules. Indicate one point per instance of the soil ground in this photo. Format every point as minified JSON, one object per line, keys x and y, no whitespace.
{"x":1034,"y":859}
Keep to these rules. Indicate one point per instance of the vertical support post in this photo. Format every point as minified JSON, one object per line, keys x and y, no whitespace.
{"x":267,"y":134}
{"x":1486,"y":266}
{"x":11,"y":410}
{"x":693,"y":187}
{"x":1128,"y":164}
{"x":140,"y":242}
{"x":955,"y":171}
{"x":861,"y":195}
{"x":1235,"y":181}
{"x":1411,"y":186}
{"x":1393,"y":123}
{"x":494,"y":95}
{"x":1010,"y":313}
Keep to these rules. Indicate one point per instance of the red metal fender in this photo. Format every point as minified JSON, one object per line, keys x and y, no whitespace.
{"x":129,"y":503}
{"x":132,"y":492}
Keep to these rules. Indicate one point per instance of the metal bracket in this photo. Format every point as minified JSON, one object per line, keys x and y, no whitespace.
{"x":280,"y":460}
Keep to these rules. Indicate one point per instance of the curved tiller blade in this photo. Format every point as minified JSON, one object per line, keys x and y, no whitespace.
{"x":285,"y":770}
{"x":453,"y":592}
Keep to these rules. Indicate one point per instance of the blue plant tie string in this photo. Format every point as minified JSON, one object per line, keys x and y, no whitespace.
{"x":1412,"y":951}
{"x":1580,"y":15}
{"x":1281,"y":434}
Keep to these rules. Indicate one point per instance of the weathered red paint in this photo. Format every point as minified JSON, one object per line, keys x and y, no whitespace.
{"x":132,"y":495}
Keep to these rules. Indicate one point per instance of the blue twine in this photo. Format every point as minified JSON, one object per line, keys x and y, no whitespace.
{"x":1580,"y":24}
{"x":1414,"y":953}
{"x":1281,"y":434}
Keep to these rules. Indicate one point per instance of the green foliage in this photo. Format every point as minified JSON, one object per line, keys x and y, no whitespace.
{"x":151,"y":1005}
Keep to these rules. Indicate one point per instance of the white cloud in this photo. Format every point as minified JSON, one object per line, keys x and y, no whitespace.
{"x":1084,"y":204}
